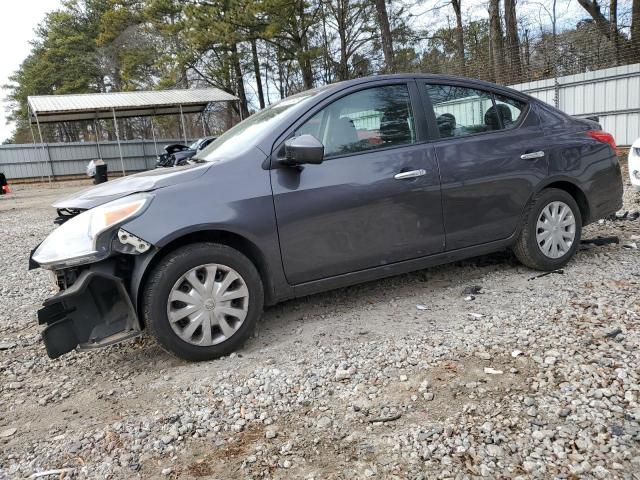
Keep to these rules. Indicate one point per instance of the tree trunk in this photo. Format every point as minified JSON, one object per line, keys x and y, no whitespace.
{"x":302,"y":45}
{"x":235,"y":58}
{"x":527,"y":55}
{"x":593,"y":9}
{"x":228,"y":87}
{"x":457,"y":8}
{"x":305,"y":66}
{"x":613,"y":29}
{"x":280,"y":75}
{"x":385,"y":36}
{"x":513,"y":42}
{"x":495,"y":37}
{"x":341,"y":14}
{"x":635,"y":29}
{"x":256,"y":71}
{"x":326,"y":53}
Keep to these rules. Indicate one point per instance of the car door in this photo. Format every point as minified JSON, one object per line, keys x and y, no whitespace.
{"x":490,"y":152}
{"x":374,"y":200}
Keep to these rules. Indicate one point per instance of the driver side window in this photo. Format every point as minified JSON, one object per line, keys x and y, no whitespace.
{"x":378,"y":117}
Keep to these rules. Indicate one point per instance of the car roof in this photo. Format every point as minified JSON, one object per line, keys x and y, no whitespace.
{"x":436,"y":77}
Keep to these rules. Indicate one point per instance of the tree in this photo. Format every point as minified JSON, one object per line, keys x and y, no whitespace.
{"x":256,"y":71}
{"x":495,"y":37}
{"x":290,"y":27}
{"x":349,"y":18}
{"x":512,"y":41}
{"x":63,"y":39}
{"x":635,"y":28}
{"x":457,"y":8}
{"x":385,"y":35}
{"x":609,"y":28}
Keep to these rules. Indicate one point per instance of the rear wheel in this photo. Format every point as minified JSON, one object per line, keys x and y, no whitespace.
{"x":551,"y":231}
{"x":203,"y":301}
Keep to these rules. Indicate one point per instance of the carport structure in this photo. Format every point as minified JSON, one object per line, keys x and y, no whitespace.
{"x":114,"y":105}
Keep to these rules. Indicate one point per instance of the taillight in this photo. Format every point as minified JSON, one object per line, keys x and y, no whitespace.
{"x":603,"y":137}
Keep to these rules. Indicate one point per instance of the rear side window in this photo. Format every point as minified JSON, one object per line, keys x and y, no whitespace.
{"x":510,"y":110}
{"x":462,"y":111}
{"x":374,"y":118}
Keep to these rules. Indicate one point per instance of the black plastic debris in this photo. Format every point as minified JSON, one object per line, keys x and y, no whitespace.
{"x":614,"y":333}
{"x":600,"y":241}
{"x":558,"y":271}
{"x":472,"y":290}
{"x":625,"y":216}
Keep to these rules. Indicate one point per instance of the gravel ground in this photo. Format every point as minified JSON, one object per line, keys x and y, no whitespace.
{"x":405,"y":377}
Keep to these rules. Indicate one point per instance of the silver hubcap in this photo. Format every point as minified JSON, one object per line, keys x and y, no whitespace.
{"x":556,"y":229}
{"x":208,"y":304}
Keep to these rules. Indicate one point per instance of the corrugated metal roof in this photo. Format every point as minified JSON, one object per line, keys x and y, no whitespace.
{"x":86,"y":106}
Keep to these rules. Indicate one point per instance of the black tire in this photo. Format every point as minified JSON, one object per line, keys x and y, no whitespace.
{"x":166,"y":273}
{"x":527,"y":249}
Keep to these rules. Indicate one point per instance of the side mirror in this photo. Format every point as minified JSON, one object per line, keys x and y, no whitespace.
{"x":303,"y":149}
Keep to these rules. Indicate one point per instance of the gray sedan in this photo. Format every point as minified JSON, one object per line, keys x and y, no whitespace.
{"x":342,"y":184}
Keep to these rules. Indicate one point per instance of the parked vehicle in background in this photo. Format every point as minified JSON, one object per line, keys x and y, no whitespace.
{"x":334,"y":186}
{"x":634,"y":164}
{"x":177,"y":154}
{"x":163,"y":158}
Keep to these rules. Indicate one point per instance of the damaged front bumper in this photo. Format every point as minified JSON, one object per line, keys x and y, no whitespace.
{"x":94,"y":311}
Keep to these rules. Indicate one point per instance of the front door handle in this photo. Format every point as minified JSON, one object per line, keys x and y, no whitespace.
{"x":410,"y":174}
{"x":532,"y":155}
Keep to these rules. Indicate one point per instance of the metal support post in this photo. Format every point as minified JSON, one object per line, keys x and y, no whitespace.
{"x":43,"y":147}
{"x":184,"y":130}
{"x":95,"y":131}
{"x":115,"y":124}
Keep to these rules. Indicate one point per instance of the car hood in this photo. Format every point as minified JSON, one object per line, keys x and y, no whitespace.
{"x":185,"y":153}
{"x":139,"y":182}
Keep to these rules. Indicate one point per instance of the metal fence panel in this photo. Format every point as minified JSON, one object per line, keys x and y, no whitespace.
{"x":65,"y":159}
{"x":613,"y":94}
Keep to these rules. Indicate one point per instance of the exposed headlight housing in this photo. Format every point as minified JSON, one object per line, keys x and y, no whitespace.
{"x":78,"y":240}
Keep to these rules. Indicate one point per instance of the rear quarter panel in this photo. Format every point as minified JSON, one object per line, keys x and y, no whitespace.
{"x":587,"y":163}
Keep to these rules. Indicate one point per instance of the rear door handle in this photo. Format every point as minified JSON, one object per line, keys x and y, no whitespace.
{"x":410,"y":174}
{"x":532,"y":155}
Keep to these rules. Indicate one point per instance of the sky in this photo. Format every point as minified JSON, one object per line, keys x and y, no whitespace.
{"x":19,"y":20}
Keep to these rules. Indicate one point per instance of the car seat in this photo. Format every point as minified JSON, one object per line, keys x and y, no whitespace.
{"x":342,"y":137}
{"x":446,"y":125}
{"x":491,"y":119}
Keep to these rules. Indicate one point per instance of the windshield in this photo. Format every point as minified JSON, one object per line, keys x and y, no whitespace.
{"x":194,"y":145}
{"x":244,"y":135}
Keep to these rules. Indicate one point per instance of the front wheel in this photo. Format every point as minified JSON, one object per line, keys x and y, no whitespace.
{"x":203,"y":301}
{"x":551,"y":231}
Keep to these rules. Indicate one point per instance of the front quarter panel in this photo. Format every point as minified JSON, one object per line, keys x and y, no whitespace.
{"x":233,"y":196}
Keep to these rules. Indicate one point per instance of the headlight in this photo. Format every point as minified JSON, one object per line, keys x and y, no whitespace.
{"x":77,"y":240}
